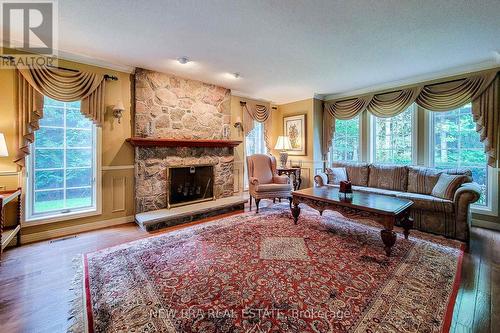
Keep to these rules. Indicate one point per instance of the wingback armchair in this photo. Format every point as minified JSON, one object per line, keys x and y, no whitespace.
{"x":264,"y":182}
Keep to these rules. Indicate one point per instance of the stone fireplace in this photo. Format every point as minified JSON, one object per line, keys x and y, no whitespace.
{"x":169,"y":107}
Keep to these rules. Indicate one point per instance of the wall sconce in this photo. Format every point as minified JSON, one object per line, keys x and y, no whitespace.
{"x":238,"y":124}
{"x":118,"y":110}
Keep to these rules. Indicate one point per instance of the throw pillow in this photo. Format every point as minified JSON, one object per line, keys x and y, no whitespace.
{"x":336,"y":175}
{"x":447,"y":185}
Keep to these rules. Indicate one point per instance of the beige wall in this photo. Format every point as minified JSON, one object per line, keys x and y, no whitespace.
{"x":312,"y":108}
{"x":117,"y":181}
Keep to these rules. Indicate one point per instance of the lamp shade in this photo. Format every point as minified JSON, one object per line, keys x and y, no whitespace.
{"x":283,"y":143}
{"x":3,"y":146}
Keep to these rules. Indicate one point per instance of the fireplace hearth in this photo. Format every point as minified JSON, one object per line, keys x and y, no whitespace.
{"x":190,"y":184}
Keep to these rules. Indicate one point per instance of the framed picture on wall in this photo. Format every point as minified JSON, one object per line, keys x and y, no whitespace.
{"x":295,"y":128}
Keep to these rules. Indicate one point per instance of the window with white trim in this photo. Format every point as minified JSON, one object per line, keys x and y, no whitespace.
{"x":456,"y":144}
{"x":393,"y":140}
{"x":346,"y":142}
{"x":62,"y":168}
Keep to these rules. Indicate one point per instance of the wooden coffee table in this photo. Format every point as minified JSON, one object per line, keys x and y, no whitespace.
{"x":384,"y":209}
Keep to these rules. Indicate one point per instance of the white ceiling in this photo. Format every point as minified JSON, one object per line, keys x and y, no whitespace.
{"x":287,"y":50}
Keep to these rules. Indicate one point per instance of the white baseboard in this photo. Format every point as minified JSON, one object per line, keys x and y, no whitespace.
{"x":486,"y":224}
{"x":60,"y":232}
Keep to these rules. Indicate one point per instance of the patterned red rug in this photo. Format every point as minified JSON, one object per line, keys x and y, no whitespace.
{"x":262,"y":273}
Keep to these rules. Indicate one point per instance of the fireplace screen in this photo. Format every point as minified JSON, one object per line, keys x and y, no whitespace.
{"x":190,"y":184}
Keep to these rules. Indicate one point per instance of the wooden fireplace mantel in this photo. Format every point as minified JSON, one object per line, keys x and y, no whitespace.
{"x":159,"y":142}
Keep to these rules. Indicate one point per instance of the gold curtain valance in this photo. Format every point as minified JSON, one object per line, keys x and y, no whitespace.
{"x":348,"y":109}
{"x":451,"y":95}
{"x":435,"y":97}
{"x":443,"y":96}
{"x":260,"y":113}
{"x":391,"y":104}
{"x":69,"y":86}
{"x":33,"y":83}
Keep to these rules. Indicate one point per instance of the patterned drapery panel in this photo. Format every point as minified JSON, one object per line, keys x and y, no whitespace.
{"x":33,"y":83}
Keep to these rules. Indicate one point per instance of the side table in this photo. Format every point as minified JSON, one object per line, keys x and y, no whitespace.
{"x":7,"y":234}
{"x":296,"y":180}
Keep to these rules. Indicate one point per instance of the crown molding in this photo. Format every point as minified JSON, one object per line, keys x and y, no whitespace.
{"x":87,"y":60}
{"x":83,"y":59}
{"x":239,"y":94}
{"x":454,"y":71}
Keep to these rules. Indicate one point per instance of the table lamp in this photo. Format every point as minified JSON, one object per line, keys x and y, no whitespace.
{"x":3,"y":146}
{"x":283,"y":144}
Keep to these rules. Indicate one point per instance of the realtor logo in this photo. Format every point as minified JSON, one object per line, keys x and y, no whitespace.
{"x":29,"y":26}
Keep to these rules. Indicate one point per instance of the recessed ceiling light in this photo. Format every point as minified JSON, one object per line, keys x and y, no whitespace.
{"x":183,"y":60}
{"x":231,"y":76}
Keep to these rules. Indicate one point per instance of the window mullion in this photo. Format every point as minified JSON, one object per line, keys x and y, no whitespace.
{"x":64,"y":156}
{"x":459,"y":145}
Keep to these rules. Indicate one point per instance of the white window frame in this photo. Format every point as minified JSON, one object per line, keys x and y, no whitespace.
{"x":360,"y":155}
{"x":414,"y":137}
{"x":492,"y":173}
{"x":245,"y":170}
{"x":64,"y":215}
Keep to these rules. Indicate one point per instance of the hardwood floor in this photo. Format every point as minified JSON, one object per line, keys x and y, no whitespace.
{"x":477,"y":307}
{"x":35,"y":280}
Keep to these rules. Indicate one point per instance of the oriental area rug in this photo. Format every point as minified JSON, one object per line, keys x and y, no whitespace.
{"x":261,"y":273}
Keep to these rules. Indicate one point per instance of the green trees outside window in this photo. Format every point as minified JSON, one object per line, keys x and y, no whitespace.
{"x":394,"y":138}
{"x":345,"y":146}
{"x":456,"y":144}
{"x":62,"y":165}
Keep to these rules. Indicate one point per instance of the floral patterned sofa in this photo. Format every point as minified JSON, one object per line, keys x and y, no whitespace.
{"x":450,"y":218}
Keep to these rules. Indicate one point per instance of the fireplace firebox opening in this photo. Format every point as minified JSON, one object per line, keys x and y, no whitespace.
{"x":190,"y":184}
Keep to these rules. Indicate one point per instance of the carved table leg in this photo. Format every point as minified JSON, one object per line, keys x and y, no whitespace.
{"x":407,"y":224}
{"x":295,"y":183}
{"x":389,"y":239}
{"x":295,"y":212}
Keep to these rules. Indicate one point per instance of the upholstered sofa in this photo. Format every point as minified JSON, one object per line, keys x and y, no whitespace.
{"x":450,"y":218}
